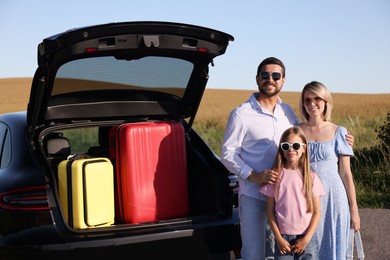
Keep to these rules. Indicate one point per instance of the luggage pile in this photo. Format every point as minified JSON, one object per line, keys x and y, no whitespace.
{"x":144,"y":178}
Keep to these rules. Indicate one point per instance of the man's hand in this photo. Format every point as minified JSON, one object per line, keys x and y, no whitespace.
{"x":350,"y":138}
{"x":264,"y":177}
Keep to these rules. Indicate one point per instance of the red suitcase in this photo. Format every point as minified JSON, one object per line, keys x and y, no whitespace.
{"x":151,"y":171}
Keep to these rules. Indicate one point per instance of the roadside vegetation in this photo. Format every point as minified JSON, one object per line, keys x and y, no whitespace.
{"x":366,"y":116}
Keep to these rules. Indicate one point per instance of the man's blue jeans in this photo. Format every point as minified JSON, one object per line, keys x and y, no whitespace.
{"x":257,"y":238}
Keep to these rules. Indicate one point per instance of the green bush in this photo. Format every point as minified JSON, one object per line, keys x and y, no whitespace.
{"x":80,"y":145}
{"x":371,"y":170}
{"x":384,"y":136}
{"x":212,"y":132}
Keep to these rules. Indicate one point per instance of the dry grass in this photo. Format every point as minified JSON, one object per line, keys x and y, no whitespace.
{"x":15,"y":93}
{"x":218,"y":104}
{"x":360,"y":113}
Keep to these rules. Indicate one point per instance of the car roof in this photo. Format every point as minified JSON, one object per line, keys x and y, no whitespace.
{"x":123,"y":70}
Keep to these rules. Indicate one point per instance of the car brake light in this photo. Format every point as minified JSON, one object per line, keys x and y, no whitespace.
{"x":92,"y":49}
{"x":202,"y":50}
{"x":30,"y":198}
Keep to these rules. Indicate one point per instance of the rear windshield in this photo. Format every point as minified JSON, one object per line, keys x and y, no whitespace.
{"x":162,"y":74}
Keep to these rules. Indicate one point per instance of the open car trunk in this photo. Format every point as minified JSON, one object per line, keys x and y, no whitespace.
{"x":185,"y":182}
{"x":110,"y":119}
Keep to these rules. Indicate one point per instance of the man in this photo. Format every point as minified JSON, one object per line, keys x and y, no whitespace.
{"x":249,"y":148}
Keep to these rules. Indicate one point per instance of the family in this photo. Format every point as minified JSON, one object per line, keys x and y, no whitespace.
{"x":297,"y":197}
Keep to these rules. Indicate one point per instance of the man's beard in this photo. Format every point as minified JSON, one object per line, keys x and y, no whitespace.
{"x":269,"y":94}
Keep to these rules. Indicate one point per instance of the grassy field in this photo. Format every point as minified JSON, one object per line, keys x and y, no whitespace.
{"x":362,"y":114}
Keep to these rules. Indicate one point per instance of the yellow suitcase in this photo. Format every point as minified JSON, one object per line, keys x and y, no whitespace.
{"x":86,"y":191}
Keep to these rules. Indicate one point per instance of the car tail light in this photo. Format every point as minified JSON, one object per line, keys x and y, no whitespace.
{"x":30,"y":198}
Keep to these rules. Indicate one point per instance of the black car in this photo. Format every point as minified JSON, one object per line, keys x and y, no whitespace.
{"x":88,"y":81}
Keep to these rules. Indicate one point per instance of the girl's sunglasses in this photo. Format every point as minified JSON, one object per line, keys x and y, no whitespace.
{"x":275,"y":75}
{"x":286,"y":146}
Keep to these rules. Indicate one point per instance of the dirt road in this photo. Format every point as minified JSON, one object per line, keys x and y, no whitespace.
{"x":375,"y":232}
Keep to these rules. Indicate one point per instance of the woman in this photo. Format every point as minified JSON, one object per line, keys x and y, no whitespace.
{"x":330,"y":156}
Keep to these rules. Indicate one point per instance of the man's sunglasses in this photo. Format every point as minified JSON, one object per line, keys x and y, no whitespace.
{"x":286,"y":146}
{"x":275,"y":75}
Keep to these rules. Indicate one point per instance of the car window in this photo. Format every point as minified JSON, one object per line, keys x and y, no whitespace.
{"x":163,"y":74}
{"x":5,"y":146}
{"x":81,"y":139}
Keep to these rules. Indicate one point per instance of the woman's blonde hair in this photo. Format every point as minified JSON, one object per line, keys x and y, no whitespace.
{"x":303,"y":164}
{"x":321,"y":91}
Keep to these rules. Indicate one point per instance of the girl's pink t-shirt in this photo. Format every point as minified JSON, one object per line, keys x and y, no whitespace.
{"x":290,"y":203}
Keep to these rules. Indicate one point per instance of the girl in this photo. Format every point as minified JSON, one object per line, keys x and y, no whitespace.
{"x":293,"y":203}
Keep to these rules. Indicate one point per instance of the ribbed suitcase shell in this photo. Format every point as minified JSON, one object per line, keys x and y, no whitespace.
{"x":151,"y":171}
{"x":86,"y":191}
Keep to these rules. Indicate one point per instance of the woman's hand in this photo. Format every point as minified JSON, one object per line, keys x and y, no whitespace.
{"x":355,"y":221}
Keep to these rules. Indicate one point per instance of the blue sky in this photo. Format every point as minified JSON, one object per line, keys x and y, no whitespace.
{"x":342,"y":43}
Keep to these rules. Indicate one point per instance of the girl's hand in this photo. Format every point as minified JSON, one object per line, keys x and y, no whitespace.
{"x":299,"y":246}
{"x":284,"y":247}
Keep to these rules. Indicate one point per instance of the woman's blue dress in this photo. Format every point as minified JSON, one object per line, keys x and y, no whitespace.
{"x":332,"y":232}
